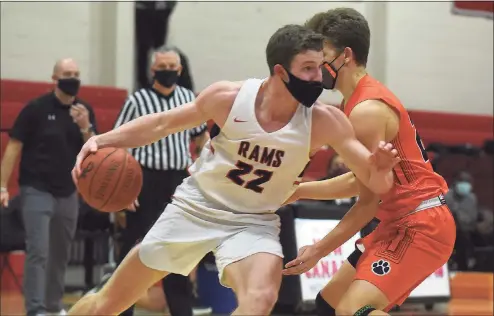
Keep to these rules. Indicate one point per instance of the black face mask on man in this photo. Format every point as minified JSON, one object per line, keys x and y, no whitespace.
{"x":166,"y":78}
{"x":330,"y":74}
{"x":69,"y":86}
{"x":305,"y":92}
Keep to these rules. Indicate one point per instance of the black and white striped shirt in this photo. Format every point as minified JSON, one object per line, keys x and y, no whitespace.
{"x":171,"y":152}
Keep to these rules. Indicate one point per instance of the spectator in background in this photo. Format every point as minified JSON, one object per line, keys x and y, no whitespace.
{"x":151,"y":24}
{"x":48,"y":133}
{"x":463,"y":204}
{"x":164,"y":165}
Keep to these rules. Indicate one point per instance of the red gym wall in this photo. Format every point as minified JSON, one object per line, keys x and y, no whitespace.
{"x":433,"y":127}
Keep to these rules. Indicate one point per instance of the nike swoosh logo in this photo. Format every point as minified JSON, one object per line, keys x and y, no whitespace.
{"x":236,"y":120}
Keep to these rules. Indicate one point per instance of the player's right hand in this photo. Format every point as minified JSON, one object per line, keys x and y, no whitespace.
{"x":4,"y":198}
{"x":90,"y":147}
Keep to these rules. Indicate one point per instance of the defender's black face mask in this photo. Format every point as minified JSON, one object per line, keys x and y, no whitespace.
{"x":330,"y":74}
{"x":305,"y":92}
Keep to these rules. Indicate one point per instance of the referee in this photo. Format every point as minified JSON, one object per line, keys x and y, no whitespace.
{"x":164,"y":166}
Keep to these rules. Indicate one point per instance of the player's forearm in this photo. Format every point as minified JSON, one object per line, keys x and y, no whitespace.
{"x":377,"y":181}
{"x":354,"y":220}
{"x":139,"y":132}
{"x":8,"y":161}
{"x":381,"y":182}
{"x":341,"y":187}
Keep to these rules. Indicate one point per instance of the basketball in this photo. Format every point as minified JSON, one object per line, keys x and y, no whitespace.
{"x":110,"y":179}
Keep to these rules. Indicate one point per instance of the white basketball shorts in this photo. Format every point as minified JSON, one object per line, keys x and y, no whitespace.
{"x":182,"y":237}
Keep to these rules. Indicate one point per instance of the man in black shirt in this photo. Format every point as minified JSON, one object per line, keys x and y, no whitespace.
{"x":48,"y":133}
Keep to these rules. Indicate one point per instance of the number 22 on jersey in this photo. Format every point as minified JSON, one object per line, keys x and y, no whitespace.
{"x":244,"y":169}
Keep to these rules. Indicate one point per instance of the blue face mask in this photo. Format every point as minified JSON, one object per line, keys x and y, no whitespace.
{"x":463,"y":188}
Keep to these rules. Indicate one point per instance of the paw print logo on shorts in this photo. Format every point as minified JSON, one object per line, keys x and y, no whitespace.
{"x":381,"y":267}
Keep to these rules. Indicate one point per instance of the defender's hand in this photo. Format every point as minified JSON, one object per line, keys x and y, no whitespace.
{"x":382,"y":161}
{"x":308,"y":257}
{"x":384,"y":158}
{"x":90,"y":147}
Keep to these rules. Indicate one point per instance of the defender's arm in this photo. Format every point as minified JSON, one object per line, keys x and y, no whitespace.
{"x":373,"y":121}
{"x":373,"y":169}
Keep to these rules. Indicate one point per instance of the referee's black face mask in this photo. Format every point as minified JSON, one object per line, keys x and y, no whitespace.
{"x":166,"y":78}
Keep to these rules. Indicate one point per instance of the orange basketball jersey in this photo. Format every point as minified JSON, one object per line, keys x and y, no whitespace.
{"x":415,"y":180}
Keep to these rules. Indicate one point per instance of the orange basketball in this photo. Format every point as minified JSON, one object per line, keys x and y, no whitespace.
{"x":110,"y":180}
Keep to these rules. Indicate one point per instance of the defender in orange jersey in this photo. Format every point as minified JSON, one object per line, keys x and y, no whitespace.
{"x":417,"y":231}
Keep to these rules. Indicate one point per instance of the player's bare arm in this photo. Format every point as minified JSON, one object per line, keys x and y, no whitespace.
{"x":340,"y":187}
{"x":372,"y":168}
{"x":213,"y":103}
{"x":372,"y":123}
{"x":151,"y":128}
{"x":353,"y":221}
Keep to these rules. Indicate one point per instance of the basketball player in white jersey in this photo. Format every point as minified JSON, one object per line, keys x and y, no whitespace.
{"x":265,"y":132}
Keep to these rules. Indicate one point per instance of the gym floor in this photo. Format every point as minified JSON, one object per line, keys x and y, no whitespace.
{"x":12,"y":304}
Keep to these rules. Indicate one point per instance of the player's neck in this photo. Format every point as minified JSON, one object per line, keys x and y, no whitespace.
{"x":276,"y":104}
{"x":352,"y":81}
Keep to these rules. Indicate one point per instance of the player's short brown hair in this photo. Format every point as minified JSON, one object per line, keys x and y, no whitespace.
{"x":289,"y":41}
{"x":344,"y":27}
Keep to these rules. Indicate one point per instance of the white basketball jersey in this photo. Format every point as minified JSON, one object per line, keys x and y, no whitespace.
{"x":245,"y":169}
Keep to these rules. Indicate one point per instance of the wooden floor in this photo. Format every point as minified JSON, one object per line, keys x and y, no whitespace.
{"x":471,"y":294}
{"x":12,"y":304}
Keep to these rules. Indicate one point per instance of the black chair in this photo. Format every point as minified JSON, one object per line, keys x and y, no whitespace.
{"x":12,"y":237}
{"x":91,"y":244}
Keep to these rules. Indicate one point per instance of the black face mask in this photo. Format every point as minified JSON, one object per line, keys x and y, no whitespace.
{"x":305,"y":92}
{"x":330,"y":74}
{"x":69,"y":86}
{"x":166,"y":78}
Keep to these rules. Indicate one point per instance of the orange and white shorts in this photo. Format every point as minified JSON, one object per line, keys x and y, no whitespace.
{"x":400,"y":255}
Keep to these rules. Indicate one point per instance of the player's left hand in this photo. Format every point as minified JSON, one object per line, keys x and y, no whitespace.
{"x":385,"y":157}
{"x":308,"y":257}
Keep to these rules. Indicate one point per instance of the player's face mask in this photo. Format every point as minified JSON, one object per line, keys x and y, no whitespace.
{"x":69,"y":86}
{"x":166,"y":78}
{"x":305,"y":92}
{"x":330,"y":74}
